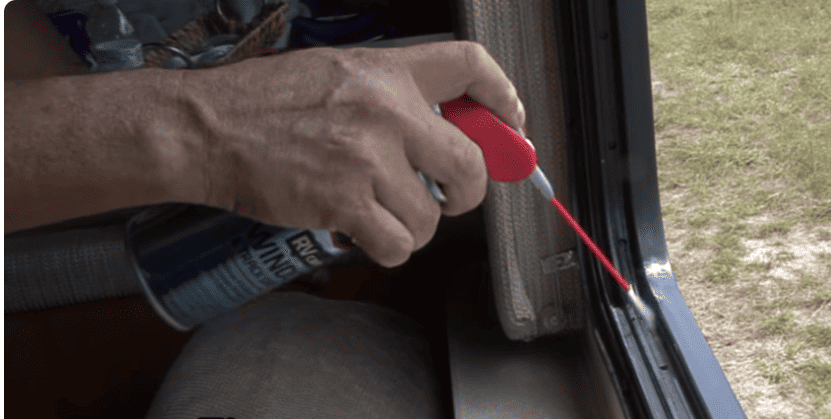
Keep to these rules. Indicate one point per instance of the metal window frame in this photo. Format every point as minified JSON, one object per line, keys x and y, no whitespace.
{"x":607,"y":86}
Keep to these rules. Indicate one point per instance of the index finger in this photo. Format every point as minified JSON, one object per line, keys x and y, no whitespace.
{"x":443,"y":71}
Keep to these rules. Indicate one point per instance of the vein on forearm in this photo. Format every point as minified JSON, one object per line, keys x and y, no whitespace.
{"x":80,"y":145}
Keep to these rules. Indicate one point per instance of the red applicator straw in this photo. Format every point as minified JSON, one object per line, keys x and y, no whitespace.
{"x":509,"y":157}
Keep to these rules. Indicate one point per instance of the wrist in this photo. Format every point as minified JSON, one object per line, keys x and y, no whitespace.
{"x":181,"y":126}
{"x":82,"y":145}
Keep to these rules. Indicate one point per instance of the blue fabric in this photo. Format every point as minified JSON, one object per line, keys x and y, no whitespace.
{"x":246,"y":9}
{"x":361,"y":28}
{"x":148,"y":28}
{"x":171,"y":14}
{"x":350,"y":26}
{"x":72,"y":23}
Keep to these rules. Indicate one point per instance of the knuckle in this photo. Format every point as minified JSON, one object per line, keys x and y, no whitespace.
{"x":468,"y":162}
{"x":516,"y":103}
{"x":395,"y":252}
{"x":353,"y":200}
{"x":476,"y":49}
{"x":518,"y":111}
{"x":521,"y":112}
{"x":470,"y":174}
{"x":428,"y":225}
{"x":403,"y":247}
{"x":346,"y":202}
{"x":474,"y":54}
{"x":513,"y":94}
{"x":475,"y":195}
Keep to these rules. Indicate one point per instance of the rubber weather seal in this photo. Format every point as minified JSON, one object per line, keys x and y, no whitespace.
{"x":606,"y":81}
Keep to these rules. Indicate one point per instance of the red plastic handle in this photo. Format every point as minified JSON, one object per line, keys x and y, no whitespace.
{"x":508,"y":157}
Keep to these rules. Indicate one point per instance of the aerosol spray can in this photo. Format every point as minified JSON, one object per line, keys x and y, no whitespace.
{"x":196,"y":262}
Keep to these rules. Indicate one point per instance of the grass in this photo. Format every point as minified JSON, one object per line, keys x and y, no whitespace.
{"x":819,"y":336}
{"x":742,"y":105}
{"x":817,"y":375}
{"x":782,"y":324}
{"x":772,"y":372}
{"x":792,"y":350}
{"x":781,"y":227}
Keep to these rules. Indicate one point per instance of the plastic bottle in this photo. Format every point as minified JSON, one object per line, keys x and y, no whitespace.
{"x":112,"y":38}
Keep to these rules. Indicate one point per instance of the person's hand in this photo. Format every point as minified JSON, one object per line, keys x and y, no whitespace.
{"x":332,"y":138}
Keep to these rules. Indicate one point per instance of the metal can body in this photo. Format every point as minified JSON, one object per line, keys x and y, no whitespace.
{"x":197,"y":262}
{"x":200,"y":262}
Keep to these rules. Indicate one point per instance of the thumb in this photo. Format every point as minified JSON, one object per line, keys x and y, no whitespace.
{"x":444,"y":71}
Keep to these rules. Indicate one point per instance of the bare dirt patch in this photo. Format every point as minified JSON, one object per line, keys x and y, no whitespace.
{"x":794,"y":254}
{"x":786,"y":270}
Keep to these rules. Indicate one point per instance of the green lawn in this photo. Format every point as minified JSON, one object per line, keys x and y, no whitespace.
{"x":742,"y":98}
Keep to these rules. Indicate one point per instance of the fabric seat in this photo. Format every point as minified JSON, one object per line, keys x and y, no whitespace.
{"x":295,"y":355}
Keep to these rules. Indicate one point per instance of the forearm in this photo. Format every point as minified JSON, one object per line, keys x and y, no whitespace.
{"x":82,"y":145}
